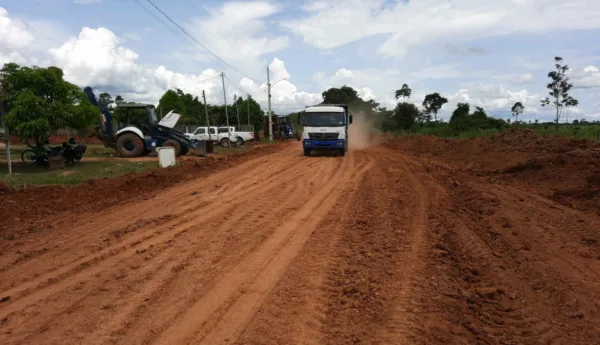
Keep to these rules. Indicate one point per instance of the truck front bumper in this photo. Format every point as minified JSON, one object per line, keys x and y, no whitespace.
{"x":324,"y":144}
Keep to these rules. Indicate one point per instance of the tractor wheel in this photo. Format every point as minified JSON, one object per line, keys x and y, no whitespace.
{"x":224,"y":142}
{"x":307,"y":152}
{"x":174,"y":144}
{"x":297,"y":136}
{"x":281,"y":136}
{"x":184,"y":149}
{"x":130,"y":145}
{"x":342,"y":152}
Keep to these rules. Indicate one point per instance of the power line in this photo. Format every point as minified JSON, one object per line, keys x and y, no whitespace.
{"x":208,"y":26}
{"x":239,"y":88}
{"x":157,"y":18}
{"x":195,"y":40}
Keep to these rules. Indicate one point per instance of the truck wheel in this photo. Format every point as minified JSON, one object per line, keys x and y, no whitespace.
{"x":224,"y":142}
{"x":240,"y":141}
{"x":130,"y":145}
{"x":307,"y":152}
{"x":174,"y":144}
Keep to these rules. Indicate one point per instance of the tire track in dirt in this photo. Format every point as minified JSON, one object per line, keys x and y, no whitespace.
{"x":163,"y":264}
{"x":167,"y":312}
{"x":91,"y":229}
{"x":152,"y":235}
{"x":235,"y":289}
{"x":163,"y":267}
{"x":511,"y":283}
{"x":295,"y":309}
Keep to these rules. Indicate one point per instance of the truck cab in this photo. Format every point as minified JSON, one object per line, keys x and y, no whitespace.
{"x":326,"y":128}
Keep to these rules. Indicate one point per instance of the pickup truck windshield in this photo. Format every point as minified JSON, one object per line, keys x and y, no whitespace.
{"x":324,"y":119}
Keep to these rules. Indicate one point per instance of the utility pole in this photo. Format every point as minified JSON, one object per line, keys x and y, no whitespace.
{"x":248,"y":103}
{"x":6,"y":133}
{"x":237,"y":110}
{"x":226,"y":115}
{"x":206,"y":112}
{"x":269,"y":98}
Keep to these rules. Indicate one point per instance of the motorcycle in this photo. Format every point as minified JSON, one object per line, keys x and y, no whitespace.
{"x":70,"y":151}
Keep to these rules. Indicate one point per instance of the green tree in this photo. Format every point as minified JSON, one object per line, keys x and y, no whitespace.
{"x":433,"y":103}
{"x":105,"y":99}
{"x":119,"y":100}
{"x":404,"y":92}
{"x":39,"y":101}
{"x":517,"y":109}
{"x":405,"y":115}
{"x":171,"y":101}
{"x":559,"y":87}
{"x":460,"y":116}
{"x":343,"y":95}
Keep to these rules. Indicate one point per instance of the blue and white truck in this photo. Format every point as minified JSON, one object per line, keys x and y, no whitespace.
{"x":326,"y":128}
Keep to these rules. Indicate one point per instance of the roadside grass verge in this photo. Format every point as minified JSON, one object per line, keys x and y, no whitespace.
{"x":24,"y":175}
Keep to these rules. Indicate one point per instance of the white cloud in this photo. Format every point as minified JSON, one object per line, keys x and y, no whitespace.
{"x":585,"y":78}
{"x":493,"y":97}
{"x":238,"y":33}
{"x":526,"y":78}
{"x":415,"y":23}
{"x":13,"y":33}
{"x":98,"y":59}
{"x":285,"y":96}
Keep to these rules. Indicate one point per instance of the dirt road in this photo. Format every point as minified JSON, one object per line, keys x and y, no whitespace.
{"x":379,"y":247}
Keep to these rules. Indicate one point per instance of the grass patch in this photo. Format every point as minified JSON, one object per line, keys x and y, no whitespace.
{"x":77,"y":173}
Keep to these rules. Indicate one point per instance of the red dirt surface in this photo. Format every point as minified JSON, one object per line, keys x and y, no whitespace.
{"x":28,"y":210}
{"x":416,"y":241}
{"x":563,"y":169}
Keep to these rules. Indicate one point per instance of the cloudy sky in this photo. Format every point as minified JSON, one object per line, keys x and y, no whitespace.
{"x":490,"y":53}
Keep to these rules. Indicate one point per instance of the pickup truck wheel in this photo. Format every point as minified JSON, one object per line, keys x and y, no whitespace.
{"x":174,"y":144}
{"x":130,"y":145}
{"x":224,"y":142}
{"x":240,"y":141}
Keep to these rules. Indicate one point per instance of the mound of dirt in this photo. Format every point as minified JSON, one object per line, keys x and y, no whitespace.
{"x":563,"y":169}
{"x":23,"y":209}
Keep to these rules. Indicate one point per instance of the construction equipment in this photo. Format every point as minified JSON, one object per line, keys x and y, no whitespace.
{"x":282,"y":128}
{"x":138,"y":130}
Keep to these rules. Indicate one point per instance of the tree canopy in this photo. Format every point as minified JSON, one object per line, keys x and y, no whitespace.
{"x":404,"y":92}
{"x":38,"y":101}
{"x":433,"y":103}
{"x":559,"y":88}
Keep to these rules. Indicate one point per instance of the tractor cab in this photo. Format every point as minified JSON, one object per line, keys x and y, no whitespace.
{"x":282,"y":128}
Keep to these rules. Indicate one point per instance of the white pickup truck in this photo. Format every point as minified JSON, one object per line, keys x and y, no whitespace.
{"x":242,"y":137}
{"x":218,"y":135}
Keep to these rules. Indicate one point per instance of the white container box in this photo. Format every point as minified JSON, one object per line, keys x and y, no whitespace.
{"x":166,"y":157}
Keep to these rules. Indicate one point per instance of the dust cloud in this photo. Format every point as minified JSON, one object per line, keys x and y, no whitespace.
{"x":361,"y":132}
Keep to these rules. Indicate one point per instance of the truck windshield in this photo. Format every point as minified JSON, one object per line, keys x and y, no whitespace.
{"x":152,"y":115}
{"x":324,"y":119}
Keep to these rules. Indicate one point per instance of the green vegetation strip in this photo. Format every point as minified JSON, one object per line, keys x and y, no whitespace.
{"x":24,"y":175}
